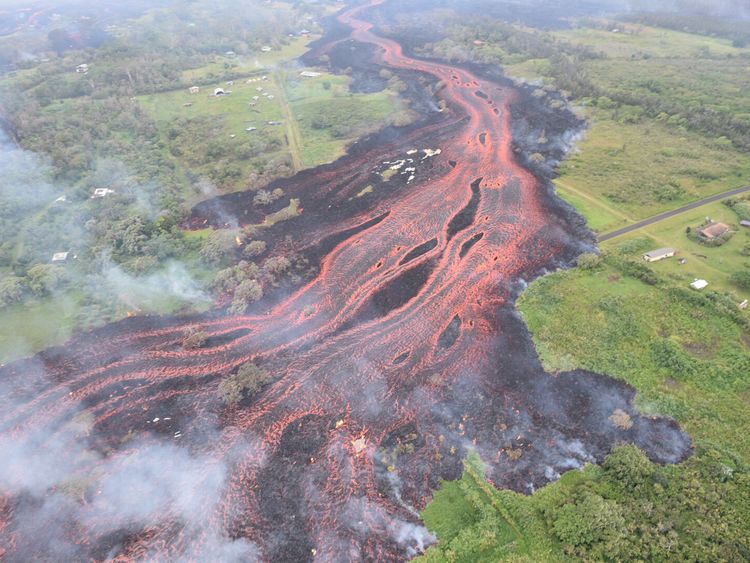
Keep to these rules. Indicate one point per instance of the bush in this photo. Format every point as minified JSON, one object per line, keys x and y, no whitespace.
{"x":248,"y":380}
{"x":194,"y":339}
{"x":249,"y":291}
{"x":741,"y":279}
{"x":11,"y":290}
{"x":589,"y":261}
{"x":255,"y":248}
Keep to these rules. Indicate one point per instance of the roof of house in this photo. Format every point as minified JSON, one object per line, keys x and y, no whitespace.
{"x":60,"y":256}
{"x":660,"y":252}
{"x":745,"y":223}
{"x":699,"y":284}
{"x":714,"y":230}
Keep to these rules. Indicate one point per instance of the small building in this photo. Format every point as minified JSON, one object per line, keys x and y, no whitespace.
{"x":699,"y":284}
{"x":102,"y":192}
{"x":61,"y":199}
{"x":745,"y":224}
{"x":230,"y":54}
{"x":219,"y":92}
{"x":660,"y":254}
{"x":304,"y":32}
{"x":60,"y":256}
{"x":309,"y":74}
{"x":194,"y":89}
{"x":250,"y":129}
{"x":230,"y":83}
{"x":82,"y":69}
{"x":265,"y":49}
{"x":714,"y":230}
{"x":743,"y":305}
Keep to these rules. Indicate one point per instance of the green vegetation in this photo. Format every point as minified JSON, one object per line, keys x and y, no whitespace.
{"x":627,"y":510}
{"x":688,"y":354}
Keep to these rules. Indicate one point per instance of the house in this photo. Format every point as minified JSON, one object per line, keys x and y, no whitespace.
{"x":743,"y":305}
{"x":265,"y":49}
{"x":219,"y":92}
{"x":660,"y":254}
{"x":102,"y":192}
{"x":714,"y":230}
{"x":745,"y":224}
{"x":304,"y":32}
{"x":230,"y":54}
{"x":194,"y":89}
{"x":699,"y":284}
{"x":309,"y":74}
{"x":250,"y":129}
{"x":82,"y":69}
{"x":60,"y":256}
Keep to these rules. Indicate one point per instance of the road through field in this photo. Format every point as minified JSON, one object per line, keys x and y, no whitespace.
{"x":672,"y":213}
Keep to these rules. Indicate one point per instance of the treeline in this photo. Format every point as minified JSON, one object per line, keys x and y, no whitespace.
{"x":738,"y":31}
{"x":492,"y":41}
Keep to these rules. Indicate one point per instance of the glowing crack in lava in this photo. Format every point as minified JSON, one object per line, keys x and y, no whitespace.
{"x":397,"y":358}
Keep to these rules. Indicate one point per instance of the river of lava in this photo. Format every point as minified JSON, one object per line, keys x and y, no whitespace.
{"x":400,"y":356}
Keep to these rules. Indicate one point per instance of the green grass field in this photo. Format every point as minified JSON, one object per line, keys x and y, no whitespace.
{"x":609,"y":323}
{"x":638,"y":40}
{"x":30,"y":327}
{"x":637,"y":170}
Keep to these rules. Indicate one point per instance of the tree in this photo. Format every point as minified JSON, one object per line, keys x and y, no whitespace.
{"x":44,"y":278}
{"x":255,"y":248}
{"x":248,"y":380}
{"x":11,"y":290}
{"x":249,"y":291}
{"x":217,"y":247}
{"x":590,"y":520}
{"x":628,"y":466}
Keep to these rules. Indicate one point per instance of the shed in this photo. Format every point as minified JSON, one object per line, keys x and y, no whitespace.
{"x":60,"y":256}
{"x":745,"y":224}
{"x":265,"y":49}
{"x":82,"y":69}
{"x":714,"y":230}
{"x":699,"y":284}
{"x":309,"y":74}
{"x":743,"y":305}
{"x":660,"y":254}
{"x":219,"y":92}
{"x":194,"y":89}
{"x":102,"y":192}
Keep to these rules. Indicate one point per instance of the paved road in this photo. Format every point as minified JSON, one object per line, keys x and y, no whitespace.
{"x":668,"y":214}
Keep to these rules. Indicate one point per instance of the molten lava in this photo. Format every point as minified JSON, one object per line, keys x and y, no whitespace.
{"x":402,"y":354}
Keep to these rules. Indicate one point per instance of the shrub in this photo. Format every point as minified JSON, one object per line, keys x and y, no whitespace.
{"x":194,"y":339}
{"x":248,"y":380}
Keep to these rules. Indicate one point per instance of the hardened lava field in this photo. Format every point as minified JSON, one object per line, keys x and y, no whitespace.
{"x":400,"y":355}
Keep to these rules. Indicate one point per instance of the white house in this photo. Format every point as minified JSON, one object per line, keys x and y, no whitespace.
{"x":660,"y":254}
{"x":194,"y":89}
{"x":309,"y":74}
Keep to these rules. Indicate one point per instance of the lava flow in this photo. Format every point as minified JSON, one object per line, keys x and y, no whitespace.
{"x":399,"y":357}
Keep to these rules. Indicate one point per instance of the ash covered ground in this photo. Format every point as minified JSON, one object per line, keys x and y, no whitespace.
{"x":396,"y":357}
